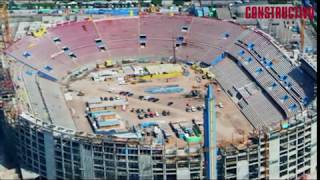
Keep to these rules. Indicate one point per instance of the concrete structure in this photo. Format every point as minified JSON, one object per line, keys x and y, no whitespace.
{"x":48,"y":142}
{"x":63,"y":153}
{"x":285,"y":153}
{"x":56,"y":152}
{"x":210,"y":135}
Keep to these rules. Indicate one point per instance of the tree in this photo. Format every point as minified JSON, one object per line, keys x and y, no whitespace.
{"x":156,"y":2}
{"x":178,"y":2}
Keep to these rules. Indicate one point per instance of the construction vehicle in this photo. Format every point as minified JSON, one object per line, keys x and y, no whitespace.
{"x":39,"y":32}
{"x":108,"y":63}
{"x":153,"y":9}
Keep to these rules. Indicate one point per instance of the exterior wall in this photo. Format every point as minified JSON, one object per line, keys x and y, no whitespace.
{"x":295,"y":149}
{"x":314,"y":149}
{"x":287,"y":154}
{"x":274,"y":152}
{"x":49,"y":154}
{"x":58,"y":154}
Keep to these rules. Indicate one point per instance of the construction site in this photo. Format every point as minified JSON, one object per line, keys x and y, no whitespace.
{"x":126,"y":94}
{"x":129,"y":95}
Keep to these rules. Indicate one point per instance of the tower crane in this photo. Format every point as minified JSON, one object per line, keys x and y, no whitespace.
{"x":4,"y":21}
{"x":302,"y":26}
{"x":139,"y":6}
{"x":305,"y":3}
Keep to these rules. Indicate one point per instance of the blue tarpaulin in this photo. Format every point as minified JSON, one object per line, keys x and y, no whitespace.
{"x":249,"y":59}
{"x":269,"y":64}
{"x":259,"y":70}
{"x":305,"y":100}
{"x":198,"y":12}
{"x":274,"y":85}
{"x":109,"y":122}
{"x":48,"y":68}
{"x":241,"y":52}
{"x":26,"y":54}
{"x":284,"y":97}
{"x":283,"y":77}
{"x":292,"y":107}
{"x":288,"y":83}
{"x":206,"y":11}
{"x":250,"y":46}
{"x":46,"y":76}
{"x":99,"y":113}
{"x":113,"y":12}
{"x":148,"y":124}
{"x":180,"y":39}
{"x":218,"y":59}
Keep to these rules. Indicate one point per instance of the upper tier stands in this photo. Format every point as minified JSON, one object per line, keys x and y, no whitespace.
{"x":120,"y":36}
{"x":265,"y":80}
{"x":254,"y":104}
{"x":301,"y":85}
{"x":75,"y":34}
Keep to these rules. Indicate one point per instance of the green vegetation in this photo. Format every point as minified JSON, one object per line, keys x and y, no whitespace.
{"x":156,"y":2}
{"x":43,"y":5}
{"x":178,"y":2}
{"x":280,"y":1}
{"x":61,"y":4}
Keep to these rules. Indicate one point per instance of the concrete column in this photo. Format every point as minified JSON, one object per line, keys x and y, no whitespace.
{"x":86,"y":162}
{"x":49,"y":154}
{"x":313,"y":148}
{"x":274,"y":158}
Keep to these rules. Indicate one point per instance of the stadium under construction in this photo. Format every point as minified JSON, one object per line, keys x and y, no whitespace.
{"x":158,"y":96}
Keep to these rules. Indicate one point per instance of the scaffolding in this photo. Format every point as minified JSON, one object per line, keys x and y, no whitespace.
{"x":266,"y":154}
{"x":4,"y":25}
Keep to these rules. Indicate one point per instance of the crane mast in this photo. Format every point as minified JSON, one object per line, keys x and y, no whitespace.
{"x":302,"y":34}
{"x":4,"y":24}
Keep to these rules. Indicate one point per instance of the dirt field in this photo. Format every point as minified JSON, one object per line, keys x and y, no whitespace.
{"x":230,"y":120}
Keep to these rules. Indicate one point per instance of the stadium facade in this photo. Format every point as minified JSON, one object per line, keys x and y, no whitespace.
{"x":286,"y":150}
{"x":58,"y":153}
